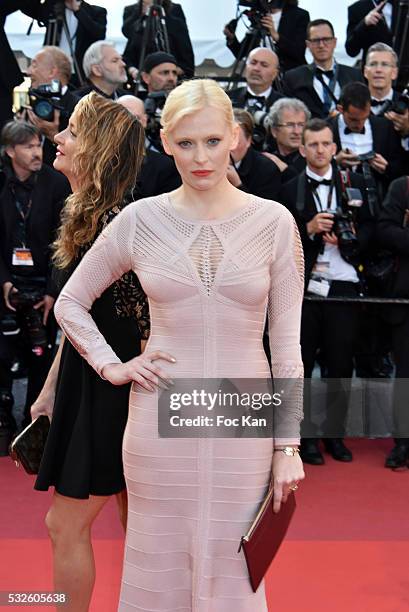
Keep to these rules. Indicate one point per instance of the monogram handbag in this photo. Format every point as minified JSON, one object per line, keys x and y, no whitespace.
{"x":263,"y":539}
{"x":28,"y":447}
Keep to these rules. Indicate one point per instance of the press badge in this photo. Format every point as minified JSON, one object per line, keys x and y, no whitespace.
{"x":319,"y":287}
{"x":22,"y":257}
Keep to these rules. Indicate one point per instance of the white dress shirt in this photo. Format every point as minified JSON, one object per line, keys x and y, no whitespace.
{"x":338,"y":268}
{"x":356,"y":143}
{"x":72,"y":26}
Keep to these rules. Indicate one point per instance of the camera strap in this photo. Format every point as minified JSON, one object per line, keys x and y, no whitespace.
{"x":24,"y":213}
{"x":328,"y":89}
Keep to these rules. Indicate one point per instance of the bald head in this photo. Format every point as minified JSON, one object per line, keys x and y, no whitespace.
{"x":135,"y":106}
{"x":261,"y":69}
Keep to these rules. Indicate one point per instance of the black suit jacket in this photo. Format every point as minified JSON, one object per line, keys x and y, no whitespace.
{"x":360,"y":36}
{"x":393,"y":236}
{"x":364,"y":223}
{"x":132,"y":15}
{"x":92,"y":24}
{"x":386,"y":142}
{"x":48,"y":197}
{"x":158,"y":175}
{"x":178,"y":34}
{"x":291,"y":46}
{"x":299,"y":83}
{"x":259,"y":175}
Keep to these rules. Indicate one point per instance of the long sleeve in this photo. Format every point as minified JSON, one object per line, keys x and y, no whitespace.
{"x":106,"y":261}
{"x":391,"y":233}
{"x":284,"y":317}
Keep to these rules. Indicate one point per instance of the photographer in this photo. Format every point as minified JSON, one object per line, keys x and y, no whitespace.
{"x":283,"y":21}
{"x":287,"y":119}
{"x":381,"y":70}
{"x":79,"y":24}
{"x":135,"y":20}
{"x":319,"y":84}
{"x":160,"y":75}
{"x":366,"y":143}
{"x":30,"y":205}
{"x":104,"y":70}
{"x":49,"y":66}
{"x":259,"y":94}
{"x":158,"y":171}
{"x":335,"y":227}
{"x":250,"y":170}
{"x":369,"y":22}
{"x":393,"y":234}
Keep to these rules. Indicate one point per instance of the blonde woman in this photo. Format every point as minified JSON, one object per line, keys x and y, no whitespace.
{"x":211,"y":259}
{"x":100,"y":153}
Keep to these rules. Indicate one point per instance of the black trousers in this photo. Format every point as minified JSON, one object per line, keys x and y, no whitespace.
{"x":400,"y":347}
{"x":333,"y":329}
{"x":12,"y":347}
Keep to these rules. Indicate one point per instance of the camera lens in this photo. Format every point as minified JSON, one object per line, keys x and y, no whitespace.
{"x":43,"y":109}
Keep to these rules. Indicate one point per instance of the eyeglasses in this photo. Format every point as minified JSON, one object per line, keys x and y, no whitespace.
{"x":291,"y":126}
{"x":380,"y":64}
{"x":326,"y":40}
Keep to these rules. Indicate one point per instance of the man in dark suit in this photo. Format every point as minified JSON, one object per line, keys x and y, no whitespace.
{"x":47,"y":65}
{"x":287,"y":119}
{"x":180,"y":46}
{"x":286,"y":27}
{"x":330,"y":271}
{"x":369,"y":22}
{"x":393,"y":234}
{"x":258,"y":95}
{"x":85,"y":23}
{"x":30,"y":204}
{"x":104,"y":70}
{"x":319,"y":84}
{"x":380,"y":70}
{"x":158,"y":172}
{"x":357,"y":132}
{"x":250,"y":170}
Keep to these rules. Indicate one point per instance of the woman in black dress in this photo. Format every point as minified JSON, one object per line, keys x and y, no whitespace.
{"x":100,"y":153}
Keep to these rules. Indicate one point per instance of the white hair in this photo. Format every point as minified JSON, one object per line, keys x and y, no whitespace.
{"x":94,"y":55}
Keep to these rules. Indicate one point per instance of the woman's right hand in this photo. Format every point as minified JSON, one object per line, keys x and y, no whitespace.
{"x":141,"y":370}
{"x":44,"y":404}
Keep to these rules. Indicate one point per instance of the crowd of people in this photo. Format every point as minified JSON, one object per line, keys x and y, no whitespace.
{"x":329,"y":142}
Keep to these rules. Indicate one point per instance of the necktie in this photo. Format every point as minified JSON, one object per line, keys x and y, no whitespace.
{"x":348,"y":131}
{"x":315,"y":184}
{"x":330,"y":74}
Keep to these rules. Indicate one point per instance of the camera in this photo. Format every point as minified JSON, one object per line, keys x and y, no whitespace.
{"x":365,"y":157}
{"x":154,"y":103}
{"x":45,"y":98}
{"x":343,"y":229}
{"x":31,"y":319}
{"x":257,"y":9}
{"x":399,"y":106}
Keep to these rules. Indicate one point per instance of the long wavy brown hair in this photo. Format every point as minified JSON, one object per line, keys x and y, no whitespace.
{"x":110,"y":150}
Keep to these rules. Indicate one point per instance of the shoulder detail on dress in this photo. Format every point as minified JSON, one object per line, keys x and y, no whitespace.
{"x":273,"y":208}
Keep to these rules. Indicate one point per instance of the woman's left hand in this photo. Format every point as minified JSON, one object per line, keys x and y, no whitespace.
{"x":287,"y":472}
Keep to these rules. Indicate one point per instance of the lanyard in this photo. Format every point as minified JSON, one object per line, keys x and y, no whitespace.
{"x":24,"y":216}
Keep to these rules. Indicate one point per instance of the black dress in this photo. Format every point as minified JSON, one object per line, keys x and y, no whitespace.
{"x":83,"y":453}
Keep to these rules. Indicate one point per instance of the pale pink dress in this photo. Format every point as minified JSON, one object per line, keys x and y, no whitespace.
{"x":209,"y":284}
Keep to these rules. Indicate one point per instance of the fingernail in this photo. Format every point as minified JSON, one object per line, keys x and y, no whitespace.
{"x":173,"y":360}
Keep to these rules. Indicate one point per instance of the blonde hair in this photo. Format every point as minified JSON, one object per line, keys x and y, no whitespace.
{"x":107,"y":162}
{"x":192,"y":96}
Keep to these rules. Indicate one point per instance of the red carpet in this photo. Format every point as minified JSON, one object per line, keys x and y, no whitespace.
{"x":347,"y":550}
